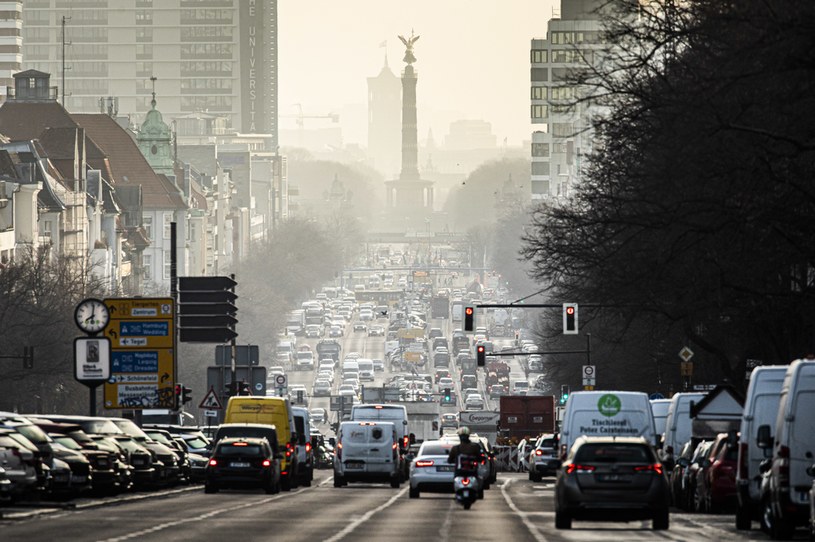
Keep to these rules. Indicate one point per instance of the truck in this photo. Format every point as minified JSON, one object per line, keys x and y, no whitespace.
{"x":500,"y":323}
{"x":440,"y":306}
{"x":296,"y":322}
{"x":424,"y":419}
{"x":456,"y":310}
{"x":328,"y":348}
{"x":526,"y":416}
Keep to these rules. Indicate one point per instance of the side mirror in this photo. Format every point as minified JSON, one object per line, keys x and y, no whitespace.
{"x":764,"y":440}
{"x":811,"y":470}
{"x":332,"y":441}
{"x":765,"y":465}
{"x":412,"y":438}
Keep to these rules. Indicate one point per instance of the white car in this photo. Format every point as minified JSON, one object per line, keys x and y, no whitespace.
{"x":474,"y":402}
{"x":322,"y":388}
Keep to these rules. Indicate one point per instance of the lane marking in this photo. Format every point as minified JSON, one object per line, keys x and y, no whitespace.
{"x":444,"y":530}
{"x":536,"y":534}
{"x":359,"y":521}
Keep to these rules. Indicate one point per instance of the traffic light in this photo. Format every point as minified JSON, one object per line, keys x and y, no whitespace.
{"x":177,"y":391}
{"x":570,"y":318}
{"x":186,"y":395}
{"x":564,"y":393}
{"x":481,"y":355}
{"x":469,"y":318}
{"x":244,"y":388}
{"x":447,"y":397}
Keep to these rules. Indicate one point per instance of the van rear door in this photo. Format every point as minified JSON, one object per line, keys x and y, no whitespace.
{"x":380,"y":453}
{"x":802,"y":440}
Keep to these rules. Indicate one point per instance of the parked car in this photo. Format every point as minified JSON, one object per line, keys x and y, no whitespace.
{"x":716,"y":480}
{"x":243,"y":462}
{"x":20,"y":466}
{"x":611,"y":479}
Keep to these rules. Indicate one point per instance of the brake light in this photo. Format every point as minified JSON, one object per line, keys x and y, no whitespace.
{"x":656,"y":467}
{"x":339,"y":450}
{"x":289,"y":449}
{"x":465,"y":481}
{"x":424,"y":463}
{"x":213,"y":462}
{"x":405,"y":441}
{"x":266,"y":463}
{"x":240,"y":444}
{"x":538,"y":452}
{"x":308,"y":447}
{"x":574,"y":467}
{"x":783,"y":466}
{"x":743,"y":450}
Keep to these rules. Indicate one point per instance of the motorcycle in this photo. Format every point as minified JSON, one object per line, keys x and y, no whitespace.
{"x":466,"y":484}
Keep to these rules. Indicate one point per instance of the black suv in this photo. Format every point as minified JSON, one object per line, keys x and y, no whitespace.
{"x":243,"y":462}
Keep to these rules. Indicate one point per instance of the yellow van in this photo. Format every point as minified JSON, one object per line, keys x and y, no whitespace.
{"x":271,"y":411}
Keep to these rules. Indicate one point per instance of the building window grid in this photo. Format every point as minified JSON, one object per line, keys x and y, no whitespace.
{"x":168,"y":220}
{"x":147,"y":224}
{"x":167,"y":264}
{"x":147,"y":265}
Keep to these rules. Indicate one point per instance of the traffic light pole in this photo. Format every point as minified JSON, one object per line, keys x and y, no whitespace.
{"x":587,"y":351}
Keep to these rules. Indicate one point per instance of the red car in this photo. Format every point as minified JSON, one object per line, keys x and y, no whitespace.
{"x":716,"y":481}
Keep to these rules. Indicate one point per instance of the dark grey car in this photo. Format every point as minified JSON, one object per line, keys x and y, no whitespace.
{"x":611,"y":479}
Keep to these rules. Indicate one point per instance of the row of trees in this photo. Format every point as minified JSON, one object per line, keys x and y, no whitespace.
{"x":693,"y":224}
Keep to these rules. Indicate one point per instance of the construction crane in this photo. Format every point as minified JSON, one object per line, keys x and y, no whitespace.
{"x":300,"y":116}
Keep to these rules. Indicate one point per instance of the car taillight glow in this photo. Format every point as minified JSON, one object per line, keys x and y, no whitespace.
{"x":240,"y":444}
{"x":656,"y":467}
{"x":308,"y":447}
{"x":213,"y":462}
{"x":405,"y":441}
{"x":465,"y":481}
{"x":424,"y":463}
{"x":574,"y":467}
{"x":538,"y":452}
{"x":339,"y":450}
{"x":266,"y":463}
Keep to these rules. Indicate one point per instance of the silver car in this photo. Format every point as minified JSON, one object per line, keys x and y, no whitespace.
{"x":430,"y":470}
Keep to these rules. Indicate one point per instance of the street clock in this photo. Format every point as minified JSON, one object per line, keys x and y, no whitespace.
{"x":91,"y":315}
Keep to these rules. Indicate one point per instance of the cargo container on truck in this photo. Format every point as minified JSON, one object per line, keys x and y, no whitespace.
{"x":526,"y":415}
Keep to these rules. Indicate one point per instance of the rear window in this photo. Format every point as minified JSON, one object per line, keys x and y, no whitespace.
{"x":238,"y":448}
{"x":435,"y":449}
{"x":248,"y":432}
{"x":372,"y":413}
{"x":613,"y":453}
{"x":547,"y":443}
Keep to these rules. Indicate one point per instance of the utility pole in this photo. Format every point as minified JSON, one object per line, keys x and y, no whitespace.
{"x":64,"y":18}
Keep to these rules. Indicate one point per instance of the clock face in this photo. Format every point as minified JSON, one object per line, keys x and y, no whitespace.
{"x":91,"y":315}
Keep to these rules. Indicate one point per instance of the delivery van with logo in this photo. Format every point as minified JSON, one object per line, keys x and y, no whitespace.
{"x":606,"y":414}
{"x":271,"y":411}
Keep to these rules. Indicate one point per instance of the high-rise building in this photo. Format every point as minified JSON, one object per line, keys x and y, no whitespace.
{"x":384,"y":121}
{"x":564,"y":138}
{"x":208,"y":56}
{"x":11,"y":44}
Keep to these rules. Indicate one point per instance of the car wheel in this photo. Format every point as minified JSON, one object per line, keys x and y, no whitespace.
{"x":562,"y":520}
{"x":338,"y":482}
{"x":467,"y":505}
{"x":481,"y":493}
{"x":413,"y":493}
{"x":269,"y":489}
{"x":661,"y":520}
{"x":743,"y":519}
{"x":536,"y":477}
{"x":285,"y":483}
{"x":210,"y":488}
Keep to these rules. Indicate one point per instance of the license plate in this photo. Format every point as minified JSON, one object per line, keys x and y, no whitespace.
{"x":465,"y":493}
{"x":61,"y":478}
{"x":354,"y":466}
{"x":80,"y":478}
{"x":612,"y":478}
{"x":239,"y":464}
{"x":445,"y":468}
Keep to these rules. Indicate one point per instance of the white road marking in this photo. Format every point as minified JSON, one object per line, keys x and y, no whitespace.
{"x":536,"y":534}
{"x":444,"y":530}
{"x":357,"y":522}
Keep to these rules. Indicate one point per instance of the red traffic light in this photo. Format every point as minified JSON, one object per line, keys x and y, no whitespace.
{"x":468,"y":311}
{"x":480,"y":348}
{"x":178,"y":388}
{"x":570,"y":310}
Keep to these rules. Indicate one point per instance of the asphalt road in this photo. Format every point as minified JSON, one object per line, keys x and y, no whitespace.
{"x":514,"y":509}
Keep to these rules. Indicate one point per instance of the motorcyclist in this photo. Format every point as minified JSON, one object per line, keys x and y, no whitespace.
{"x":465,"y":447}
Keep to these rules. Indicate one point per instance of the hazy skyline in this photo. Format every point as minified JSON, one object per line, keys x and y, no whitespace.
{"x":473,"y":60}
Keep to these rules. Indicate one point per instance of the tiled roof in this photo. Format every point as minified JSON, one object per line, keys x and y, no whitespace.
{"x":23,"y":121}
{"x":127,"y":163}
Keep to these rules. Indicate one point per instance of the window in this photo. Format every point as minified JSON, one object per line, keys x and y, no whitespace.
{"x":540,"y":111}
{"x":147,"y":265}
{"x":562,"y":129}
{"x":144,"y":17}
{"x":168,"y":220}
{"x":562,"y":93}
{"x":539,"y":74}
{"x":167,"y":264}
{"x":539,"y":93}
{"x":147,"y":222}
{"x":539,"y":56}
{"x":540,"y":168}
{"x":32,"y":83}
{"x":540,"y":149}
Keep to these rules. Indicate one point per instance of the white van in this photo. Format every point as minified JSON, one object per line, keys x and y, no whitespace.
{"x":387,"y":413}
{"x":760,"y":408}
{"x":350,"y":366}
{"x":659,"y":408}
{"x":678,"y":426}
{"x":367,"y":452}
{"x":305,"y":463}
{"x":786,"y":505}
{"x":606,"y":413}
{"x":366,"y":369}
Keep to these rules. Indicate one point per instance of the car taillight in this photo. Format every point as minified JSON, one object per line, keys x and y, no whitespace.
{"x":538,"y":452}
{"x":213,"y":462}
{"x":574,"y":467}
{"x":289,"y":449}
{"x":308,"y":447}
{"x":465,"y":481}
{"x":339,"y":450}
{"x":783,"y":466}
{"x":656,"y":467}
{"x":405,"y":442}
{"x":424,"y":463}
{"x":743,"y":450}
{"x":266,"y":463}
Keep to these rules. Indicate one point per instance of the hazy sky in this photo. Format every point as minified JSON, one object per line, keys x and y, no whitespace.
{"x":473,"y":60}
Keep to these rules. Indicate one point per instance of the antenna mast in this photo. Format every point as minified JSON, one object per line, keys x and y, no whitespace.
{"x":64,"y":18}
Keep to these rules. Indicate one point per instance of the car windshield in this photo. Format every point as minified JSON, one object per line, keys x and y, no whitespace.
{"x":68,"y":442}
{"x":196,"y":442}
{"x":613,"y":453}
